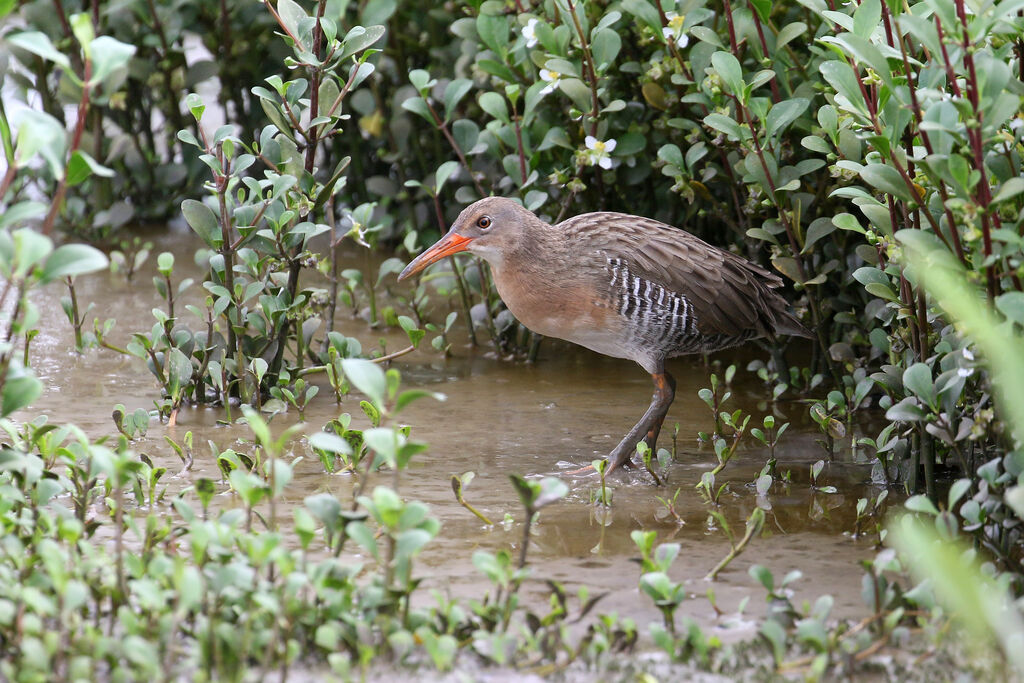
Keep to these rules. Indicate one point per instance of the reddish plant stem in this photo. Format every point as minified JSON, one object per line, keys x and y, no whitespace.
{"x":776,"y":97}
{"x":76,"y":141}
{"x":916,"y":110}
{"x":790,"y":229}
{"x":950,"y":75}
{"x":589,"y":71}
{"x":983,"y":194}
{"x":8,"y":178}
{"x":732,"y":29}
{"x":891,"y":158}
{"x":723,"y":159}
{"x":443,"y":127}
{"x":519,"y":146}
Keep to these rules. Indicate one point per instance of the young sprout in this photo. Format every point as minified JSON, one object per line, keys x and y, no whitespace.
{"x":461,"y":481}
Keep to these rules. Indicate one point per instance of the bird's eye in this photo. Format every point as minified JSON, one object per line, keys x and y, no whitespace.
{"x":484,"y":222}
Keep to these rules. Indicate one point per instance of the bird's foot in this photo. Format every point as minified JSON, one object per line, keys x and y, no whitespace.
{"x":621,"y":456}
{"x":626,"y":463}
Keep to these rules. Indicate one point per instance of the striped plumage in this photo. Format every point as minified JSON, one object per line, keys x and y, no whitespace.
{"x":621,"y":285}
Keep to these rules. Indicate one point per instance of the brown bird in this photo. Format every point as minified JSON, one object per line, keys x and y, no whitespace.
{"x":621,"y":285}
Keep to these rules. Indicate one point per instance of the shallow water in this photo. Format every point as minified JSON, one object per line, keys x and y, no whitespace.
{"x":500,"y":418}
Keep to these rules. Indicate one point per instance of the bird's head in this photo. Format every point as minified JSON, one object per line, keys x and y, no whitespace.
{"x":490,"y":228}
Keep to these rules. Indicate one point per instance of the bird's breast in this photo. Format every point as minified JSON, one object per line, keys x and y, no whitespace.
{"x":564,"y":309}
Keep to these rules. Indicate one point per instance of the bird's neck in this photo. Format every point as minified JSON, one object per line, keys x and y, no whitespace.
{"x":538,"y":253}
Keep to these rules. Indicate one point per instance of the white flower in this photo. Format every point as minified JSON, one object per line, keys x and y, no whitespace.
{"x":551,"y":78}
{"x":674,"y":30}
{"x":968,"y":354}
{"x":529,"y":32}
{"x":1016,"y":123}
{"x":965,"y":372}
{"x":599,"y":152}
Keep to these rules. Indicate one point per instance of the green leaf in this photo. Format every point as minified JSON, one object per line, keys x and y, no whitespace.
{"x":887,"y":179}
{"x":863,"y":52}
{"x":493,"y":31}
{"x":867,"y":18}
{"x":494,"y":104}
{"x":179,"y":371}
{"x":605,"y":47}
{"x":1011,"y":304}
{"x":26,"y":250}
{"x":108,"y":56}
{"x":332,"y":443}
{"x":1009,"y":189}
{"x":918,"y":379}
{"x":921,"y":503}
{"x":555,"y":137}
{"x":957,"y":491}
{"x":630,"y":144}
{"x":816,"y":144}
{"x":784,"y":113}
{"x":291,"y":14}
{"x":645,"y":12}
{"x":21,"y":213}
{"x":361,"y":534}
{"x":202,"y":220}
{"x":577,"y":91}
{"x":73,"y":259}
{"x":763,"y":8}
{"x":819,"y":227}
{"x":453,"y":94}
{"x":360,"y":38}
{"x":723,"y":123}
{"x":39,"y":44}
{"x":39,"y":133}
{"x":81,"y":166}
{"x":443,"y":173}
{"x":20,"y":389}
{"x":407,"y":397}
{"x":729,"y":69}
{"x":367,"y":377}
{"x":847,"y":221}
{"x":842,"y":77}
{"x":789,"y":32}
{"x":417,"y":106}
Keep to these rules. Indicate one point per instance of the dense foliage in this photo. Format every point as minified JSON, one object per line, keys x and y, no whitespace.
{"x":821,"y":139}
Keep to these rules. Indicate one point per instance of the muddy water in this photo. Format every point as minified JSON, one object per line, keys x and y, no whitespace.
{"x":503,"y":417}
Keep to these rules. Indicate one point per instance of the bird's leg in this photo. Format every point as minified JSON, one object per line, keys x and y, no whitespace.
{"x":650,"y":424}
{"x":652,"y":434}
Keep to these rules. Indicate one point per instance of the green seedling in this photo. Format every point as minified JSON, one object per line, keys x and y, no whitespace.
{"x":182,"y":450}
{"x":130,"y":255}
{"x":669,"y":505}
{"x":459,"y":483}
{"x":771,"y":434}
{"x":603,"y":496}
{"x":131,"y":425}
{"x":832,"y":428}
{"x":534,"y":495}
{"x":815,"y":472}
{"x":647,"y":458}
{"x":717,"y":396}
{"x":755,"y":523}
{"x":298,"y":395}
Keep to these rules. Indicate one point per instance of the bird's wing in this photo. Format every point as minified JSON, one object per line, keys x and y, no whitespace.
{"x":729,"y":294}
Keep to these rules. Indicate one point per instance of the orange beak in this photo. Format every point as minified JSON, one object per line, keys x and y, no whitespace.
{"x":452,"y":243}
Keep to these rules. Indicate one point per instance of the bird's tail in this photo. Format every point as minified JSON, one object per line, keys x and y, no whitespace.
{"x":787,"y":323}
